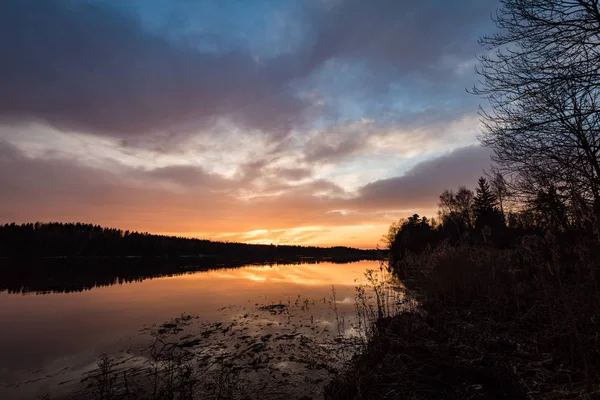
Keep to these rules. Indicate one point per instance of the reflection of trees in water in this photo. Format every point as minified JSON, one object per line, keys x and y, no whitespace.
{"x":87,"y":256}
{"x":76,"y":275}
{"x":66,"y":275}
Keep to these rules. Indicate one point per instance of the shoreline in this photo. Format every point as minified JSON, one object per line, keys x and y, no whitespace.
{"x":492,"y":324}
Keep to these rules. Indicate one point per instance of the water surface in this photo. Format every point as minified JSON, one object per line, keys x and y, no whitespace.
{"x":49,"y":341}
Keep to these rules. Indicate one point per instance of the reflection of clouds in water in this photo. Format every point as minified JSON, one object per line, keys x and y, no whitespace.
{"x":255,"y":277}
{"x":106,"y":319}
{"x":302,"y":274}
{"x":347,"y":300}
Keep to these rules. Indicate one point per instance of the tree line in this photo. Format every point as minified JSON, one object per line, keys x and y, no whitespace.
{"x":87,"y":240}
{"x":491,"y":216}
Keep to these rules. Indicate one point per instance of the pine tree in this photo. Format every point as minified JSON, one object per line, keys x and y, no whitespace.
{"x":485,"y":206}
{"x":484,"y":200}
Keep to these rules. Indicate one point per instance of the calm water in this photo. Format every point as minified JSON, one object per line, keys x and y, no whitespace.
{"x":49,"y":341}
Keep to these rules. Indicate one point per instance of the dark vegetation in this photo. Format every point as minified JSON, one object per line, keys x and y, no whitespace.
{"x":87,"y":240}
{"x":64,"y":275}
{"x":509,"y":307}
{"x":507,"y":277}
{"x":73,"y":257}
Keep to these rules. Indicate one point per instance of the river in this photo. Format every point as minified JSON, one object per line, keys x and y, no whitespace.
{"x":283,"y":329}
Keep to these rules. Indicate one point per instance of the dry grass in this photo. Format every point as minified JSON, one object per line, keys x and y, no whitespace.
{"x":510,"y":323}
{"x":170,"y":372}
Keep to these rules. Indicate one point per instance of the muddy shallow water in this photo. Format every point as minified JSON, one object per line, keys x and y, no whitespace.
{"x":279,"y":330}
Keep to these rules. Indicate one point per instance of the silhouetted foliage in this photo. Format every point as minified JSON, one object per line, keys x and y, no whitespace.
{"x":456,"y":209}
{"x":543,"y":85}
{"x":86,"y":240}
{"x":485,"y":207}
{"x":477,"y":219}
{"x":548,"y":209}
{"x":484,"y":199}
{"x":415,"y":234}
{"x":74,"y":256}
{"x":500,"y":189}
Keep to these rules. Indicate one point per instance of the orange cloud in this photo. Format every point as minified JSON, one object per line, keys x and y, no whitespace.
{"x":209,"y":206}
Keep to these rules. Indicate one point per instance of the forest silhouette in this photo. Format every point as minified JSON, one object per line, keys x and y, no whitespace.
{"x":42,"y":257}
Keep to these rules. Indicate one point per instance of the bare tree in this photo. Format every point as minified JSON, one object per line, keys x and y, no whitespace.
{"x":500,"y":189}
{"x":542,"y":81}
{"x":457,"y":208}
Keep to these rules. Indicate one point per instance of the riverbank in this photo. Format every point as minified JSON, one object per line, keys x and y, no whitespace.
{"x":492,"y":323}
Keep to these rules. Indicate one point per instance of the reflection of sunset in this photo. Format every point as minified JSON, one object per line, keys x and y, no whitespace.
{"x":110,"y":316}
{"x":268,"y":134}
{"x":302,"y":274}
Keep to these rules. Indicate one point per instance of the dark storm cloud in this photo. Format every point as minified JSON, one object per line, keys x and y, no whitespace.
{"x":82,"y":66}
{"x":402,"y":36}
{"x":421,"y":186}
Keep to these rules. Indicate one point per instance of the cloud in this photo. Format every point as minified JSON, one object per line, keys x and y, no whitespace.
{"x":80,"y":66}
{"x":338,"y":142}
{"x":67,"y":190}
{"x":227,"y":118}
{"x":186,"y":177}
{"x":294,"y":174}
{"x":402,"y":37}
{"x":50,"y":189}
{"x":420,"y":186}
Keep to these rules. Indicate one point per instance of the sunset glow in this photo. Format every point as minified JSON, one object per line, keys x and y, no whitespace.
{"x":275,"y":124}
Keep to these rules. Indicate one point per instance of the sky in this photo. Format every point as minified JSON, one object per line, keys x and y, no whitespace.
{"x":315,"y":122}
